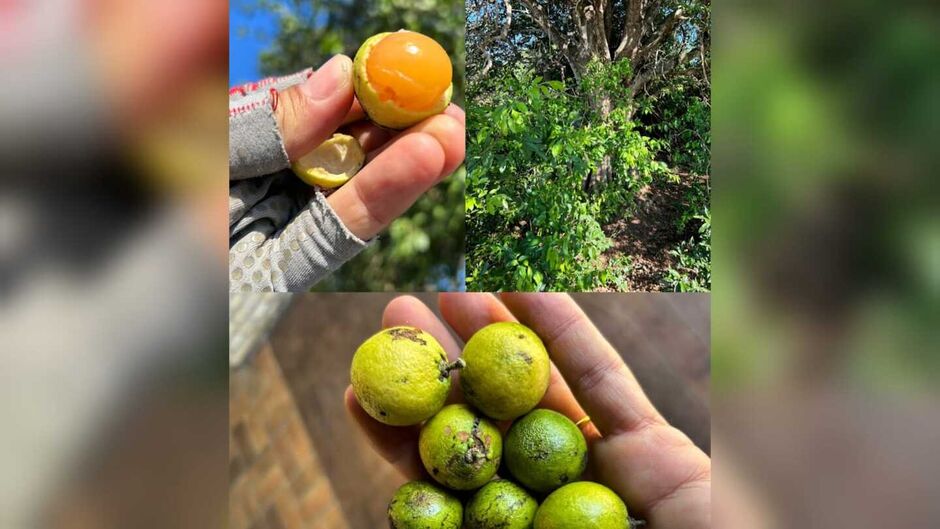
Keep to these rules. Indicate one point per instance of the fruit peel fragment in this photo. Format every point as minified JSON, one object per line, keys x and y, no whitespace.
{"x":332,"y":163}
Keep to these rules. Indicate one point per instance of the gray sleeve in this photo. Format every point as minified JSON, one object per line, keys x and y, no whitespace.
{"x":311,"y":246}
{"x":279,"y":239}
{"x":255,"y":144}
{"x":265,"y":85}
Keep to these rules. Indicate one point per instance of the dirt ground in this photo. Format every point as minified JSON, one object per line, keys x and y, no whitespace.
{"x":647,"y":234}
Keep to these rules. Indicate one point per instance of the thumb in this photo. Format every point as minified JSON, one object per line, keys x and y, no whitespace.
{"x":307,"y":114}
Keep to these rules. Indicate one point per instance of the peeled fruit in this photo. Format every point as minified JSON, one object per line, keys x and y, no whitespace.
{"x":507,"y":370}
{"x":401,"y":78}
{"x":500,"y":504}
{"x":582,"y":505}
{"x":545,"y":450}
{"x":331,"y":164}
{"x":420,"y":505}
{"x":401,"y":376}
{"x":459,"y":448}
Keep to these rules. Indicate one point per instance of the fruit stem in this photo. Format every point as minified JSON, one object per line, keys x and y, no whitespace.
{"x":456,"y":364}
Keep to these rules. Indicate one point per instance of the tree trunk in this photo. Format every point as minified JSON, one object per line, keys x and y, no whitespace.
{"x":596,"y":180}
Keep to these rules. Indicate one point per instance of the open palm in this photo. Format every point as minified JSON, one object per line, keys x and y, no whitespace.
{"x":653,"y":466}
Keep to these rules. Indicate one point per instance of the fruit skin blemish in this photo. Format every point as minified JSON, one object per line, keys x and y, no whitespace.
{"x":459,"y":448}
{"x":401,"y":376}
{"x":419,"y":505}
{"x":402,"y":78}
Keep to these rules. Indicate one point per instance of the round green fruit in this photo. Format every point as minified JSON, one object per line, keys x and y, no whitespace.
{"x":401,"y":376}
{"x":545,"y":450}
{"x":582,"y":505}
{"x":507,"y":370}
{"x":422,"y":505}
{"x":500,"y":504}
{"x":459,"y":448}
{"x":402,"y":78}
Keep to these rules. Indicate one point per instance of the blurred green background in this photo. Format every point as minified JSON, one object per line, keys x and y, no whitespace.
{"x":423,"y":249}
{"x":826,"y":264}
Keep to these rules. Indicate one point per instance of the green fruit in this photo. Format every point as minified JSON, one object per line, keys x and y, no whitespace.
{"x":500,"y":504}
{"x":401,"y":376}
{"x":426,"y":73}
{"x":421,"y":505}
{"x":582,"y":505}
{"x":507,"y":370}
{"x":545,"y":450}
{"x":459,"y":448}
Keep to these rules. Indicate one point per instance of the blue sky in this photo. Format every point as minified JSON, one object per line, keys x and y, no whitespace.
{"x":249,"y":35}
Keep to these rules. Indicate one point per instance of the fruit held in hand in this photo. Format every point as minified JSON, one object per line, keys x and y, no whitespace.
{"x":419,"y":505}
{"x":500,"y":504}
{"x":331,"y":164}
{"x":401,"y":376}
{"x":545,"y":450}
{"x":507,"y":370}
{"x":459,"y":448}
{"x":582,"y":505}
{"x":401,"y":78}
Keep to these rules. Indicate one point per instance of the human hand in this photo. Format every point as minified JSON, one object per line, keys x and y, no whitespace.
{"x":654,"y":467}
{"x":400,"y":166}
{"x":287,"y":243}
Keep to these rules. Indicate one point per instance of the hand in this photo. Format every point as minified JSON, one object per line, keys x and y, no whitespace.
{"x":663,"y":477}
{"x":400,"y":166}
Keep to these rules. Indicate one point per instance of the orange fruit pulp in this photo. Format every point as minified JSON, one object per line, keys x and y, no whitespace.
{"x":410,"y":69}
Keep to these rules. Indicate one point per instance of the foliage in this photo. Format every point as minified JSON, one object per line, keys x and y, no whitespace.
{"x":530,"y":225}
{"x":693,"y":272}
{"x":571,"y":114}
{"x":422,"y":250}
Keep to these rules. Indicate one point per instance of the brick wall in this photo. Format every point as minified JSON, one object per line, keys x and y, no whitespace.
{"x":276,"y":479}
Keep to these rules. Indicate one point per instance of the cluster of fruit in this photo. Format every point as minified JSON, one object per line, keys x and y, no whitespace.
{"x":401,"y":376}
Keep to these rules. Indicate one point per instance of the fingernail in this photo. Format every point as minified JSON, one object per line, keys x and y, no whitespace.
{"x":332,"y":76}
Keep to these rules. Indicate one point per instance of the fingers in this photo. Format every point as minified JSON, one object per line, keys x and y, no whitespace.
{"x":397,"y":444}
{"x":404,"y":169}
{"x":453,"y":140}
{"x":655,"y":467}
{"x":355,"y":113}
{"x":309,"y":113}
{"x":467,"y":313}
{"x":595,"y":372}
{"x":370,"y":136}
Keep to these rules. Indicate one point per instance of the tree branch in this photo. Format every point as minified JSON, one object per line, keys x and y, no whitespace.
{"x":503,"y":33}
{"x":541,"y":19}
{"x":664,"y":33}
{"x":633,"y":30}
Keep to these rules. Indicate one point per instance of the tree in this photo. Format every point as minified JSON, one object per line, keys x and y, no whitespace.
{"x":659,"y":39}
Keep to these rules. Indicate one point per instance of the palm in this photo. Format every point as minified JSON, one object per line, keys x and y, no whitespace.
{"x":661,"y":474}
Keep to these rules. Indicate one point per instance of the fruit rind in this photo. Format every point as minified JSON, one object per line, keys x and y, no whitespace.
{"x":582,"y":505}
{"x":459,"y":448}
{"x":332,"y":163}
{"x":400,"y":376}
{"x":419,"y":504}
{"x":387,"y":113}
{"x":545,"y":450}
{"x":507,"y":372}
{"x":501,"y":504}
